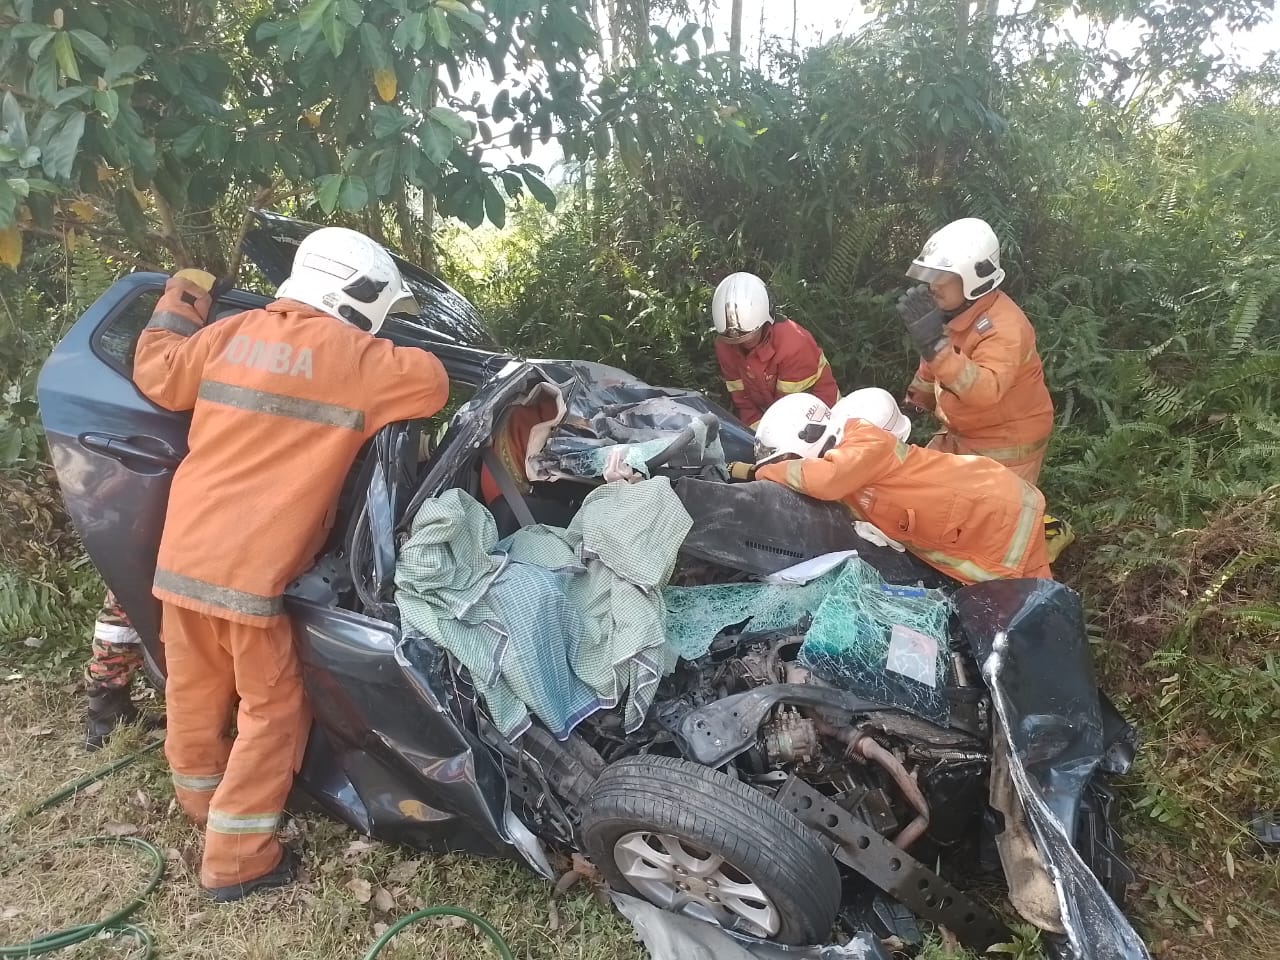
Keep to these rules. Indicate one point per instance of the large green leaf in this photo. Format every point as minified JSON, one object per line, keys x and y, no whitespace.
{"x":131,"y":216}
{"x":502,"y":106}
{"x":327,"y":189}
{"x":495,"y":206}
{"x":541,"y":192}
{"x":8,"y":204}
{"x":70,"y":94}
{"x":457,"y":125}
{"x":388,"y":121}
{"x":512,"y":183}
{"x":437,"y":143}
{"x":216,"y":141}
{"x":314,"y":14}
{"x":29,"y":31}
{"x":13,"y":122}
{"x":59,"y":151}
{"x":373,"y":48}
{"x":141,"y":146}
{"x":107,"y":103}
{"x":92,"y":47}
{"x":124,"y":62}
{"x":384,"y":172}
{"x":459,"y":10}
{"x":411,"y":32}
{"x":335,"y":32}
{"x":354,"y":193}
{"x":44,"y":76}
{"x":189,"y":142}
{"x":440,"y":29}
{"x":65,"y":55}
{"x":351,"y":11}
{"x":38,"y":45}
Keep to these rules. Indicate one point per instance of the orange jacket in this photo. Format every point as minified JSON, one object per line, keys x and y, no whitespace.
{"x":969,"y":517}
{"x":282,"y":399}
{"x":787,"y":360}
{"x":988,"y":389}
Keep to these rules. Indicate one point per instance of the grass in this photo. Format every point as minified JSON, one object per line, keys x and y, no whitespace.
{"x":350,"y":890}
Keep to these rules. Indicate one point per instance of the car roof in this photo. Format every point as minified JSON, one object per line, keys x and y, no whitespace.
{"x":445,"y":315}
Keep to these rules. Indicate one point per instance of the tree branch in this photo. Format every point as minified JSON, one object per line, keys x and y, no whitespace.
{"x":169,"y":231}
{"x":260,"y":198}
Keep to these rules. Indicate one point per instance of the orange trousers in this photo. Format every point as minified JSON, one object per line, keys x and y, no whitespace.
{"x":1026,"y":467}
{"x":235,"y":787}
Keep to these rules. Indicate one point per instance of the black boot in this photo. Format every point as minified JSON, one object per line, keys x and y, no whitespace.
{"x":285,"y":873}
{"x":108,"y":709}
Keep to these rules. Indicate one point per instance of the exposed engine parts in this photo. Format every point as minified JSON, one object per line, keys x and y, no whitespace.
{"x":790,"y":738}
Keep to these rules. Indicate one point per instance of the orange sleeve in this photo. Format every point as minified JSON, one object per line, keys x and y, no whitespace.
{"x":802,"y":366}
{"x":920,"y":391}
{"x":406,"y":382}
{"x":170,"y":358}
{"x":861,"y":458}
{"x":730,"y":363}
{"x":981,"y":379}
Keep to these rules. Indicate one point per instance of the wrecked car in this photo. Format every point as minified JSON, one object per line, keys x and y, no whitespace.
{"x":765,"y":788}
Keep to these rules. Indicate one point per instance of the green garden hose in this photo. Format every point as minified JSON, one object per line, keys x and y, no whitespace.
{"x":118,"y":923}
{"x":71,"y":789}
{"x":485,"y":926}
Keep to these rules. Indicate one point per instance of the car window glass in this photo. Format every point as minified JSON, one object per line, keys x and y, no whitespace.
{"x":116,"y":340}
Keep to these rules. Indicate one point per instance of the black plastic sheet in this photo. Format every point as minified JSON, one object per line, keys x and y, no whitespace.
{"x":1029,"y":638}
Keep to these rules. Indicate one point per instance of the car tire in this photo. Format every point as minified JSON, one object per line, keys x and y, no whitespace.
{"x":680,"y":810}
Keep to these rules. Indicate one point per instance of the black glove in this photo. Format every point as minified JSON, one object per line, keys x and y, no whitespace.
{"x":220,"y":287}
{"x":926,"y":324}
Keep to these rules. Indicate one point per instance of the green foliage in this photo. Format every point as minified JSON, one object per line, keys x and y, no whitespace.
{"x":150,"y":115}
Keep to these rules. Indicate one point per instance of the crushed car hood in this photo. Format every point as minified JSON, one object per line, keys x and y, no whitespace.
{"x":1029,"y":638}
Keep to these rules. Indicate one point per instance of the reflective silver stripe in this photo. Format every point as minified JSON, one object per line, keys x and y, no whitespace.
{"x":197,"y":784}
{"x":964,"y":569}
{"x":237,"y":601}
{"x":243,"y":823}
{"x":1004,"y":454}
{"x":1028,"y":515}
{"x":967,"y":378}
{"x":795,"y":475}
{"x":282,"y":405}
{"x":173,"y":322}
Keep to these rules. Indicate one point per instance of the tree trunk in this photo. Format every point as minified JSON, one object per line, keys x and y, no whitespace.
{"x":427,"y":242}
{"x":735,"y":39}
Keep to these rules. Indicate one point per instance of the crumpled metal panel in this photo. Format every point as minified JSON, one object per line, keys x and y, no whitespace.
{"x":1029,"y":638}
{"x":388,"y":757}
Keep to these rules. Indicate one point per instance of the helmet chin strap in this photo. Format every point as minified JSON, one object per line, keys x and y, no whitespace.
{"x":355,"y":317}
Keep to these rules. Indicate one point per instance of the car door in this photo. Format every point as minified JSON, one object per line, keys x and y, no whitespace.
{"x":114,"y":451}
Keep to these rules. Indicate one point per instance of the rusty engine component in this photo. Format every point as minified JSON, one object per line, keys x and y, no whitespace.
{"x":790,"y":738}
{"x":861,"y":746}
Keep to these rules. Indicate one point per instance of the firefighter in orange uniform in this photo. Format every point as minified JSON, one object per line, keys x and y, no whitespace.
{"x":282,"y":398}
{"x":967,"y":516}
{"x":762,"y":359}
{"x":979,"y":370}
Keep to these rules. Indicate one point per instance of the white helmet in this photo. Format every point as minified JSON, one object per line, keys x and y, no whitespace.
{"x":877,"y":407}
{"x":740,"y":306}
{"x":795,"y":424}
{"x":348,"y":276}
{"x":968,"y":248}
